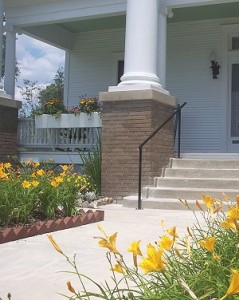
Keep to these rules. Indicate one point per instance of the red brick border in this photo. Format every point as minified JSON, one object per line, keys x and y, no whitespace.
{"x":21,"y":232}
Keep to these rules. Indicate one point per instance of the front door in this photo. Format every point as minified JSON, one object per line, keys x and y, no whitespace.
{"x":233,"y":104}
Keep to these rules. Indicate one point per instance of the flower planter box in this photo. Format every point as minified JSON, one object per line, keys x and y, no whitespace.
{"x":24,"y":231}
{"x":82,"y":120}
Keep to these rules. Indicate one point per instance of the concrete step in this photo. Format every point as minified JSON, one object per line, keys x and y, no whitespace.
{"x":187,"y":193}
{"x":201,"y":173}
{"x":204,"y":164}
{"x":213,"y":183}
{"x":162,"y":203}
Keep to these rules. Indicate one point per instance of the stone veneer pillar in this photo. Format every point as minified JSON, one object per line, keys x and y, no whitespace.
{"x":128,"y":118}
{"x":8,"y":127}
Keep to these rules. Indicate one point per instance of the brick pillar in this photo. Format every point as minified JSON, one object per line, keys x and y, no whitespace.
{"x":128,"y":118}
{"x":8,"y":127}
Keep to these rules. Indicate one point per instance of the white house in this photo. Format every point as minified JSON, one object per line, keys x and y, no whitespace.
{"x":167,"y":46}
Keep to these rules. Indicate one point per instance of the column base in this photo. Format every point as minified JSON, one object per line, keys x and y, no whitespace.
{"x":128,"y":118}
{"x":138,"y":86}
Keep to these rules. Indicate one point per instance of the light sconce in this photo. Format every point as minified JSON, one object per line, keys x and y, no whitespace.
{"x":215,"y":67}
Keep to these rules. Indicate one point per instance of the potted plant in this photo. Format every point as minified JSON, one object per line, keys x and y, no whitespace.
{"x":53,"y":114}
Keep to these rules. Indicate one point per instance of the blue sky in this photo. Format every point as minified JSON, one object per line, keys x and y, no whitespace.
{"x":38,"y":61}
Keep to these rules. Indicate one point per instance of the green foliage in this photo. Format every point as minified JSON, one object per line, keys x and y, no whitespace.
{"x":30,"y":192}
{"x":92,"y":166}
{"x":203,"y":265}
{"x":55,"y":90}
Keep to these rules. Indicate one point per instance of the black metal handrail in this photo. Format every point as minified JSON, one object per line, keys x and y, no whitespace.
{"x":177,"y":112}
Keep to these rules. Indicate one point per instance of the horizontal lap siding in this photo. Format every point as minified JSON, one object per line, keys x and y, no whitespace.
{"x":189,"y":78}
{"x":91,"y":62}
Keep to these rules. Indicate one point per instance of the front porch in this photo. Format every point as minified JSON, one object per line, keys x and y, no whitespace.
{"x":62,"y":145}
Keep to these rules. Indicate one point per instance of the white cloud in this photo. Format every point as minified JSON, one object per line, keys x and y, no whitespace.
{"x":38,"y":61}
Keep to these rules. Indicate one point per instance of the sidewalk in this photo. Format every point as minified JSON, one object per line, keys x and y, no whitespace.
{"x":29,"y":269}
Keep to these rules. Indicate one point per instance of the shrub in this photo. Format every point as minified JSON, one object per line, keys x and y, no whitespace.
{"x":30,"y":192}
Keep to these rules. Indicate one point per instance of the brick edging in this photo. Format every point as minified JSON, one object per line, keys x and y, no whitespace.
{"x":10,"y":234}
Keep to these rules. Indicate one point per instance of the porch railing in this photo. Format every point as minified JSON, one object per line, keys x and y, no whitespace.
{"x":176,"y":113}
{"x":56,"y":139}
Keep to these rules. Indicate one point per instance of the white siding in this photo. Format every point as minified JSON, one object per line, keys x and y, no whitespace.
{"x":189,"y":78}
{"x":91,"y":62}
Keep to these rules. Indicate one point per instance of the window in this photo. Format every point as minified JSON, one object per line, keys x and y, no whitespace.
{"x":235,"y":43}
{"x":120,"y":69}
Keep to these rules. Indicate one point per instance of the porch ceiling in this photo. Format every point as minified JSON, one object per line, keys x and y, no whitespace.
{"x":61,"y":34}
{"x":197,"y":13}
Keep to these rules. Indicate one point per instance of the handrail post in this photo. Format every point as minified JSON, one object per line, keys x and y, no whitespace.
{"x":140,"y":177}
{"x":179,"y":133}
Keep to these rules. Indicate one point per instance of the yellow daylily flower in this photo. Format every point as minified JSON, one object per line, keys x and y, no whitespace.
{"x":208,"y":243}
{"x":70,"y":287}
{"x":64,"y":167}
{"x":118,"y":268}
{"x":26,"y":184}
{"x":40,"y":172}
{"x":7,"y":165}
{"x":233,"y":213}
{"x":58,"y":179}
{"x":134,"y":248}
{"x":54,"y":244}
{"x":208,"y":200}
{"x":2,"y":174}
{"x":35,"y":183}
{"x":229,"y":223}
{"x":166,"y":243}
{"x":154,"y":261}
{"x":54,"y":183}
{"x":172,"y":231}
{"x":108,"y":242}
{"x":37,"y":164}
{"x":234,"y":285}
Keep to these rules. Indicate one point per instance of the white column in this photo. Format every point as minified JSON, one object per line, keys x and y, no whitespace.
{"x":10,"y":63}
{"x":162,"y":46}
{"x":141,"y":47}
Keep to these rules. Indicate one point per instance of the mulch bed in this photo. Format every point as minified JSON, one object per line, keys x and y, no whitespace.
{"x":10,"y":234}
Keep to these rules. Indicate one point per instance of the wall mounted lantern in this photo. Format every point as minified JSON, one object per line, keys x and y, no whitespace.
{"x":215,"y":67}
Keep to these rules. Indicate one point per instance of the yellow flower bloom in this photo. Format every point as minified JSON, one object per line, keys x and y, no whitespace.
{"x":64,"y":167}
{"x":58,"y":179}
{"x":40,"y":172}
{"x":26,"y":184}
{"x":54,"y":183}
{"x":118,"y":268}
{"x":229,"y":223}
{"x":7,"y":165}
{"x":208,"y":200}
{"x":37,"y":164}
{"x":108,"y":242}
{"x":233,"y":213}
{"x":2,"y":174}
{"x":234,"y":285}
{"x":134,"y":248}
{"x":154,"y":261}
{"x":70,"y":287}
{"x":172,"y":231}
{"x":54,"y":244}
{"x":35,"y":183}
{"x":208,"y":243}
{"x":166,"y":243}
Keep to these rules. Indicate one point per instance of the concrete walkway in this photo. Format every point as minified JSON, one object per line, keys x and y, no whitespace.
{"x":29,"y":268}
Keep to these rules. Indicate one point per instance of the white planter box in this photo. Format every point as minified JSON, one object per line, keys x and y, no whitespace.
{"x":68,"y":121}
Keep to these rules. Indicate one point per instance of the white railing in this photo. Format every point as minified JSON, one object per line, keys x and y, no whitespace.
{"x":61,"y":139}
